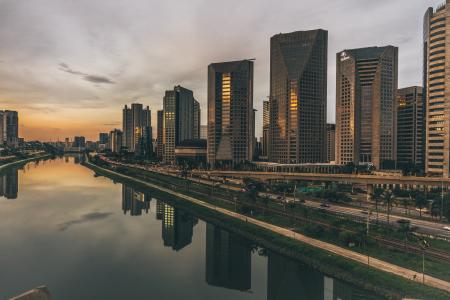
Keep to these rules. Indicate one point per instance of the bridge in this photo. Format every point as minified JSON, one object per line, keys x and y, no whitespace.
{"x":369,"y":180}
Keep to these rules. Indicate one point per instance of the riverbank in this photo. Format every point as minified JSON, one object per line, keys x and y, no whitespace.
{"x":24,"y":161}
{"x":383,"y":278}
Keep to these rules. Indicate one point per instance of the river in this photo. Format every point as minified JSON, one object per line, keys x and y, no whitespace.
{"x":87,"y":237}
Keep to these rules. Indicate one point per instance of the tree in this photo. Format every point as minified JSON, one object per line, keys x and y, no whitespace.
{"x":420,"y":201}
{"x":377,"y":198}
{"x":406,"y":229}
{"x":388,"y":198}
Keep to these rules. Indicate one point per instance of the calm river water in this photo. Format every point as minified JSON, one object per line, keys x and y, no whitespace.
{"x":88,"y":237}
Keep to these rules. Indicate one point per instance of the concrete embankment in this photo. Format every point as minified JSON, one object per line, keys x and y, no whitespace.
{"x":39,"y":293}
{"x":348,"y":254}
{"x":23,"y":161}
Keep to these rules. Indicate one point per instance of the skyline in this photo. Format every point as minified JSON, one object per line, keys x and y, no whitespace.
{"x":69,"y":70}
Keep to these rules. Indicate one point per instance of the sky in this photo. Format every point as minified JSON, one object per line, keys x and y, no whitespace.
{"x":69,"y":66}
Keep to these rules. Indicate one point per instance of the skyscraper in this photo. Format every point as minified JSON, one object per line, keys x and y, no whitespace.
{"x":103,"y":138}
{"x":366,"y":84}
{"x":298,"y":97}
{"x":9,"y":128}
{"x":181,"y":120}
{"x":115,"y":140}
{"x":436,"y":80}
{"x":230,"y":112}
{"x":196,"y":114}
{"x":160,"y":135}
{"x":203,"y":132}
{"x":266,"y":123}
{"x":410,"y":126}
{"x":331,"y":142}
{"x":135,"y":119}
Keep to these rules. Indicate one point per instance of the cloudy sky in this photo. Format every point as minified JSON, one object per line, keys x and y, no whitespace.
{"x":69,"y":66}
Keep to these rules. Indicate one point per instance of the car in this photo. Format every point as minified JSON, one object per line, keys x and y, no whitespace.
{"x":324,"y":205}
{"x":446,"y":228}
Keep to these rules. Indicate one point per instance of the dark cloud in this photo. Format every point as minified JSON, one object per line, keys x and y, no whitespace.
{"x":88,"y":77}
{"x":90,"y":217}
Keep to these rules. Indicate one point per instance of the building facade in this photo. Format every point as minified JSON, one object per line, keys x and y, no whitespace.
{"x":115,"y":140}
{"x":366,"y":85}
{"x":436,"y":46}
{"x":230,"y":112}
{"x":331,"y":142}
{"x":298,"y":97}
{"x":266,"y":124}
{"x":135,"y":120}
{"x":411,"y":127}
{"x":160,"y":134}
{"x":181,"y":120}
{"x":9,"y":128}
{"x":203,"y":132}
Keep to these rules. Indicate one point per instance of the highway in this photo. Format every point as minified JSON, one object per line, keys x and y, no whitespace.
{"x":423,"y":226}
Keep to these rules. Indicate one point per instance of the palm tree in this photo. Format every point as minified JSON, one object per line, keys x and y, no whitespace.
{"x":377,"y":198}
{"x":421,"y":202}
{"x":388,"y":198}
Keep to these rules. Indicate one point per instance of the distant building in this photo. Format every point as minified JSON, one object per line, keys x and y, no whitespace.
{"x":160,"y":135}
{"x":79,"y":142}
{"x":103,"y":138}
{"x":411,"y":126}
{"x":136,"y":119}
{"x":436,"y":77}
{"x":366,"y":106}
{"x":266,"y":123}
{"x":9,"y":128}
{"x":196,"y":115}
{"x":181,"y":120}
{"x":298,"y":97}
{"x":204,"y":132}
{"x":115,"y":140}
{"x":230,"y":112}
{"x":331,"y":142}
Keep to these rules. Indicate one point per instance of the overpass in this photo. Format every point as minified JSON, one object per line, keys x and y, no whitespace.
{"x":369,"y":180}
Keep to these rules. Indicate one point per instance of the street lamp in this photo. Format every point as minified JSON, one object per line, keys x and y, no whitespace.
{"x":423,"y":245}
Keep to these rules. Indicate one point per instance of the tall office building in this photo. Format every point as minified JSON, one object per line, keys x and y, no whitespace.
{"x":410,"y":126}
{"x":298,"y":97}
{"x":203,"y":132}
{"x":115,"y":140}
{"x":196,"y":114}
{"x":160,"y":134}
{"x":9,"y":128}
{"x":331,"y":142}
{"x":366,"y":85}
{"x":79,"y":142}
{"x":230,"y":112}
{"x":266,"y":123}
{"x":135,"y":119}
{"x":436,"y":79}
{"x":181,"y":120}
{"x":103,"y":138}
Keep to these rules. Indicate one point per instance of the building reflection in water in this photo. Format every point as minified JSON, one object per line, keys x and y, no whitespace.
{"x":9,"y":183}
{"x":134,"y":201}
{"x":177,"y":226}
{"x":228,"y":259}
{"x":288,"y":279}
